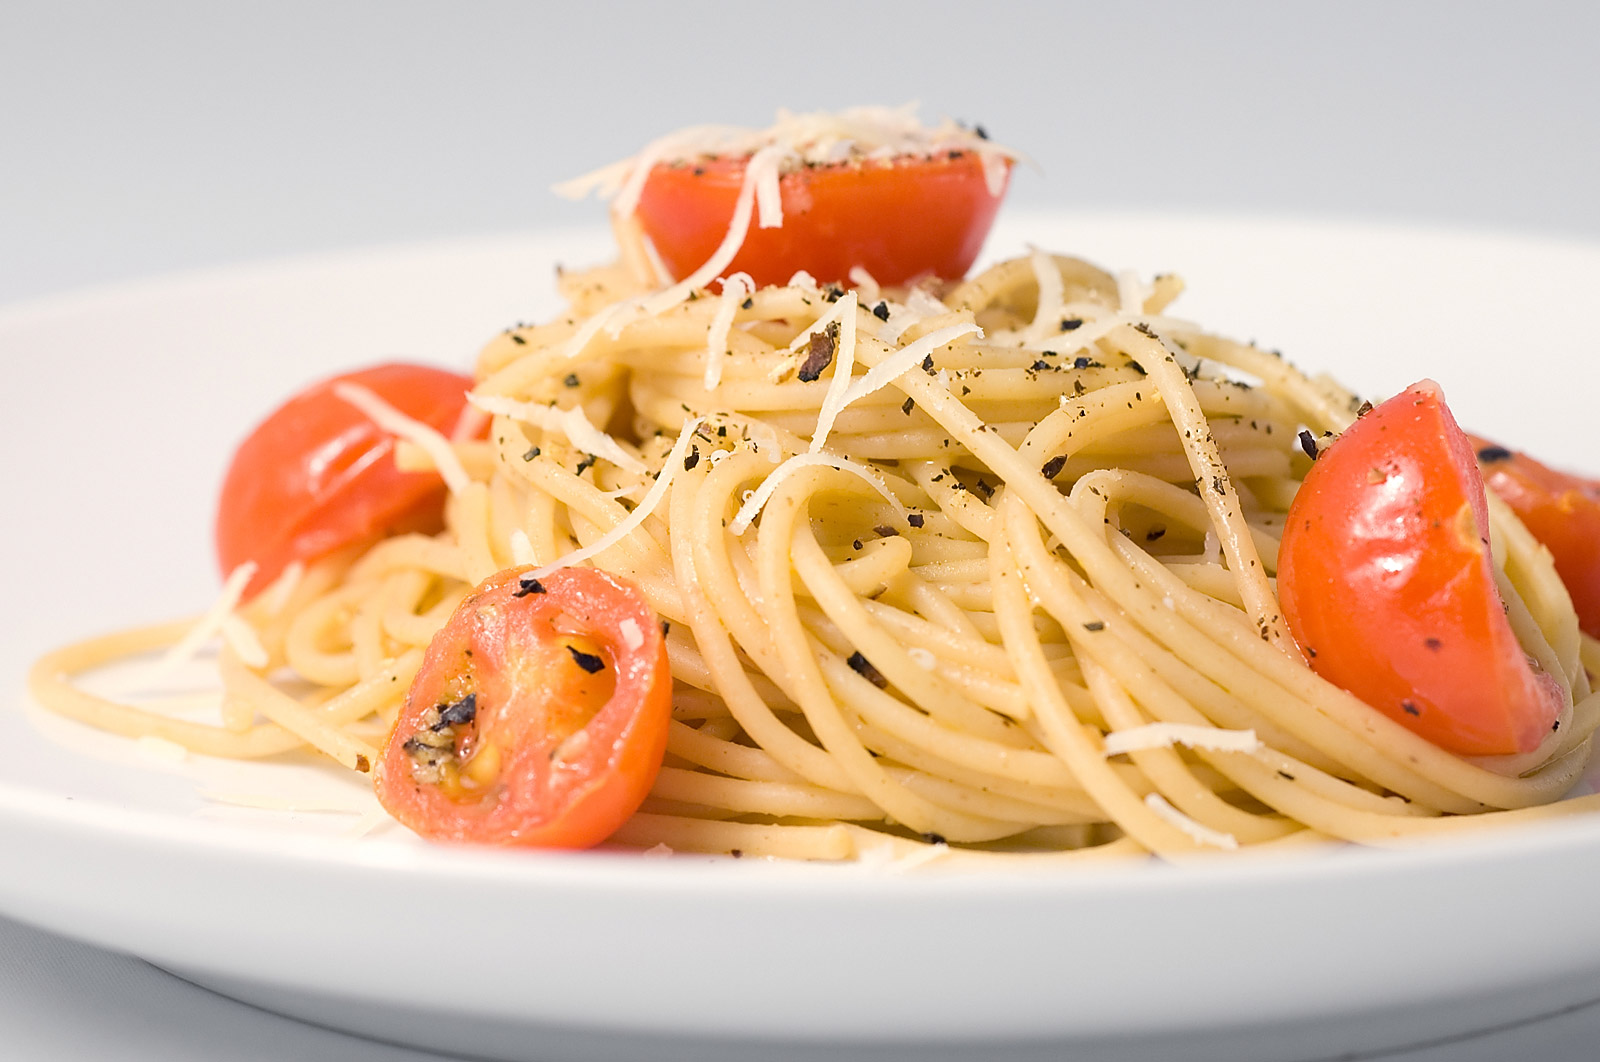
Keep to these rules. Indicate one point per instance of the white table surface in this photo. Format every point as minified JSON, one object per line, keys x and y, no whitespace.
{"x":138,"y":139}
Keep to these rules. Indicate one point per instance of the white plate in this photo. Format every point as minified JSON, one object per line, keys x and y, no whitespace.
{"x":126,"y":403}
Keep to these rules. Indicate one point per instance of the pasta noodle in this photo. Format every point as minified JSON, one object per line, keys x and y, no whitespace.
{"x":991,"y":612}
{"x":965,"y":570}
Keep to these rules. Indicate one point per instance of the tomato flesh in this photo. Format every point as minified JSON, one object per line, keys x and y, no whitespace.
{"x":898,"y":219}
{"x":318,"y":475}
{"x":1386,"y":582}
{"x":1560,"y":510}
{"x":539,"y":716}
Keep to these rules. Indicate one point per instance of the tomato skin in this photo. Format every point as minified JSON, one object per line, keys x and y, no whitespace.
{"x":317,"y":475}
{"x":508,"y":649}
{"x":897,"y":218}
{"x":1560,"y":510}
{"x":1385,"y":580}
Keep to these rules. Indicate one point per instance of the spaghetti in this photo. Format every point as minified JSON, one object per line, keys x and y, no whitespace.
{"x":974,"y":569}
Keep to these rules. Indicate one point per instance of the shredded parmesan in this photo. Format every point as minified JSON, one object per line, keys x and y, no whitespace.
{"x":522,"y":553}
{"x":1165,"y":735}
{"x":889,"y":857}
{"x":815,"y":138}
{"x":1198,"y":832}
{"x":866,"y":285}
{"x":571,"y":422}
{"x":613,"y":319}
{"x":995,"y":172}
{"x":243,"y":640}
{"x":923,"y":658}
{"x":396,"y":423}
{"x":844,"y":365}
{"x":470,"y":424}
{"x":858,"y":133}
{"x":919,"y":306}
{"x":763,"y":166}
{"x":634,"y":519}
{"x":759,"y":497}
{"x":1047,"y":318}
{"x":277,"y":802}
{"x":735,"y":289}
{"x":206,"y":627}
{"x":632,"y":636}
{"x":1131,"y":293}
{"x":275,"y":598}
{"x":890,"y":369}
{"x":160,"y":749}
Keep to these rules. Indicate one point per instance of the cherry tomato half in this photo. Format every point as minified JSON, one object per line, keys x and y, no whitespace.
{"x":539,"y":716}
{"x":318,"y":475}
{"x":1386,"y":582}
{"x":1560,"y":510}
{"x":897,"y":218}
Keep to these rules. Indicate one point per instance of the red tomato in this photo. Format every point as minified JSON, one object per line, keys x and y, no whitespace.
{"x":897,"y":218}
{"x":539,"y":716}
{"x":1385,"y":580}
{"x":318,"y":475}
{"x":1560,"y":510}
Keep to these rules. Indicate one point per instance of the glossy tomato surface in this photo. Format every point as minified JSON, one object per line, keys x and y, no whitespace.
{"x":1386,"y":582}
{"x":539,"y":717}
{"x":1559,"y":509}
{"x":897,"y":218}
{"x":318,"y":475}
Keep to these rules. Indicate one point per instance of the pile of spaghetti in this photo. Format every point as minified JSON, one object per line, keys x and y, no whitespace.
{"x":975,"y":568}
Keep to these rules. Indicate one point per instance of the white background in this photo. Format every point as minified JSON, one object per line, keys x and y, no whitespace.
{"x":143,"y":138}
{"x":152,"y":136}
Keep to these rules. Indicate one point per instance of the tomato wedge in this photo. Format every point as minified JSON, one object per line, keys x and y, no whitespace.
{"x":539,"y":716}
{"x":318,"y":475}
{"x":1559,"y":509}
{"x":1385,"y":579}
{"x":898,"y":218}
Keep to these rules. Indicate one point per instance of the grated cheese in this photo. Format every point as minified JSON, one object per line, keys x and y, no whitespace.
{"x":571,"y":422}
{"x":160,"y":749}
{"x":844,"y":365}
{"x":243,"y":640}
{"x":868,"y":287}
{"x":919,"y":306}
{"x":762,"y":167}
{"x":280,"y":802}
{"x":816,"y":138}
{"x":1165,"y":735}
{"x":890,"y":369}
{"x":758,"y":498}
{"x":1131,"y":294}
{"x":206,"y":627}
{"x":765,"y":439}
{"x":735,"y":289}
{"x":275,"y":598}
{"x":897,"y":857}
{"x":632,"y":636}
{"x":522,"y":553}
{"x":792,"y":140}
{"x":1197,"y":832}
{"x":634,"y":519}
{"x":396,"y":423}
